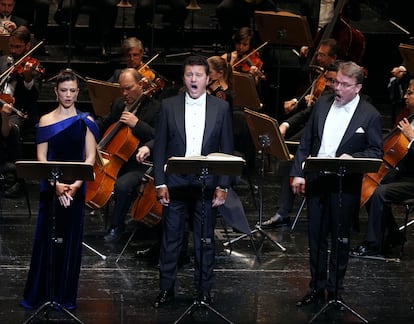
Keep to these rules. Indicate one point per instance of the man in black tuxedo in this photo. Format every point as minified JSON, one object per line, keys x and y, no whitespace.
{"x":193,"y":123}
{"x":343,"y":125}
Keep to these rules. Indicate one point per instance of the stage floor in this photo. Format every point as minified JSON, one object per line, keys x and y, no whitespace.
{"x":249,"y":287}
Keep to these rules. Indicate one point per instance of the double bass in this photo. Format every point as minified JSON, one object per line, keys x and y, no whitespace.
{"x":395,"y":149}
{"x":350,"y":40}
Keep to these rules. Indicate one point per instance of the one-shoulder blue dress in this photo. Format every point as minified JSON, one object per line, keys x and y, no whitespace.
{"x":66,"y":142}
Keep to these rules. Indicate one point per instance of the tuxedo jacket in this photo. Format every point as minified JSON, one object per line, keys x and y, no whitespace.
{"x":362,"y":138}
{"x":170,"y":140}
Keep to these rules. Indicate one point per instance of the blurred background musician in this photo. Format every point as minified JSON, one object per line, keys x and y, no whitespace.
{"x":233,"y":14}
{"x":8,"y":20}
{"x":23,"y":83}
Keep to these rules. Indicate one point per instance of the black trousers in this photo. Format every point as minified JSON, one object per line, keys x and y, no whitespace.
{"x":330,"y":211}
{"x":187,"y":206}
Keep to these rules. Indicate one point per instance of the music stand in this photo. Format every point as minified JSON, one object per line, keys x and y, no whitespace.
{"x":102,"y":94}
{"x":282,"y":28}
{"x":407,"y":53}
{"x":266,"y":136}
{"x":245,"y":91}
{"x":54,"y":171}
{"x":4,"y":44}
{"x":217,"y":164}
{"x":340,"y":167}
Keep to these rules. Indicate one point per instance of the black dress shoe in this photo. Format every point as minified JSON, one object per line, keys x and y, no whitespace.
{"x":163,"y":298}
{"x":114,"y":235}
{"x":365,"y":250}
{"x":312,"y":297}
{"x":276,"y":221}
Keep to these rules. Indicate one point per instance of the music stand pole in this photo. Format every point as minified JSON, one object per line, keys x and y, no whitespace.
{"x":340,"y":167}
{"x":203,"y":168}
{"x":54,"y":171}
{"x":265,"y":142}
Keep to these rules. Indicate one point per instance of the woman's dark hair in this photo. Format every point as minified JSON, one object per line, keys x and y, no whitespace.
{"x":66,"y":75}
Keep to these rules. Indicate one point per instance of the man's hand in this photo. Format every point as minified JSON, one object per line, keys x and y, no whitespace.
{"x":298,"y":185}
{"x":405,"y":128}
{"x":289,"y":105}
{"x":219,"y":197}
{"x":163,"y":195}
{"x":142,"y":154}
{"x":128,"y":119}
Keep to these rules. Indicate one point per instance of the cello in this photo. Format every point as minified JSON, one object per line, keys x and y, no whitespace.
{"x":113,"y":150}
{"x":395,"y":149}
{"x":147,"y":209}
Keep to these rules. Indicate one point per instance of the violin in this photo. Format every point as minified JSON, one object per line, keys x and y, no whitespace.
{"x":7,"y":99}
{"x":245,"y":62}
{"x":20,"y":68}
{"x":146,"y":72}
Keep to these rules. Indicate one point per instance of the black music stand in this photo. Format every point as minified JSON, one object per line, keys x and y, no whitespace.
{"x":282,"y":28}
{"x":267,"y":139}
{"x":218,"y":164}
{"x":340,"y":167}
{"x":54,"y":171}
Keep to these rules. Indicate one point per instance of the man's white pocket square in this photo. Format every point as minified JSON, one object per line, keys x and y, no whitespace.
{"x":360,"y":130}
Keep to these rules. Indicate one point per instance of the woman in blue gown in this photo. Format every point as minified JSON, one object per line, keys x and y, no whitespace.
{"x":68,"y":135}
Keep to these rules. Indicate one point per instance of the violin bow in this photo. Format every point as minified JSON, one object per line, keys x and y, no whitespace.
{"x":251,"y":53}
{"x":146,"y":64}
{"x":6,"y":73}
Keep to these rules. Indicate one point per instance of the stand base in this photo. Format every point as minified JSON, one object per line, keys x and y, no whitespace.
{"x":259,"y":229}
{"x":376,"y":257}
{"x":336,"y":303}
{"x":200,"y":303}
{"x":103,"y":257}
{"x":51,"y":305}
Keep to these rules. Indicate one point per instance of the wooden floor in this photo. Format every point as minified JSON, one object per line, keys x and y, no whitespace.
{"x":250,"y":287}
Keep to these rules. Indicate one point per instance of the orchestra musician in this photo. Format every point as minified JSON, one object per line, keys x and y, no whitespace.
{"x":239,"y":58}
{"x":22,"y":84}
{"x":9,"y":21}
{"x":139,"y":112}
{"x":133,"y":51}
{"x":327,"y":53}
{"x":397,"y":185}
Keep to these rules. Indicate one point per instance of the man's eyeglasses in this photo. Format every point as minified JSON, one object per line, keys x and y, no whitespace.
{"x":409,"y":92}
{"x":344,"y":85}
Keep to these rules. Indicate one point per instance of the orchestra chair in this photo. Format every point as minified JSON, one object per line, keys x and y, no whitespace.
{"x":408,"y":206}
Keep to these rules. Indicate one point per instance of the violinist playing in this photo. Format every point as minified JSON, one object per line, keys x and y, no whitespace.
{"x":327,"y":53}
{"x":140,"y":113}
{"x":396,"y":186}
{"x":241,"y":59}
{"x":133,"y":52}
{"x":21,"y":86}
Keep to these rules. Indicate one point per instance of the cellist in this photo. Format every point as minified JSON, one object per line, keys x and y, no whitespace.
{"x":396,"y":186}
{"x":140,"y":113}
